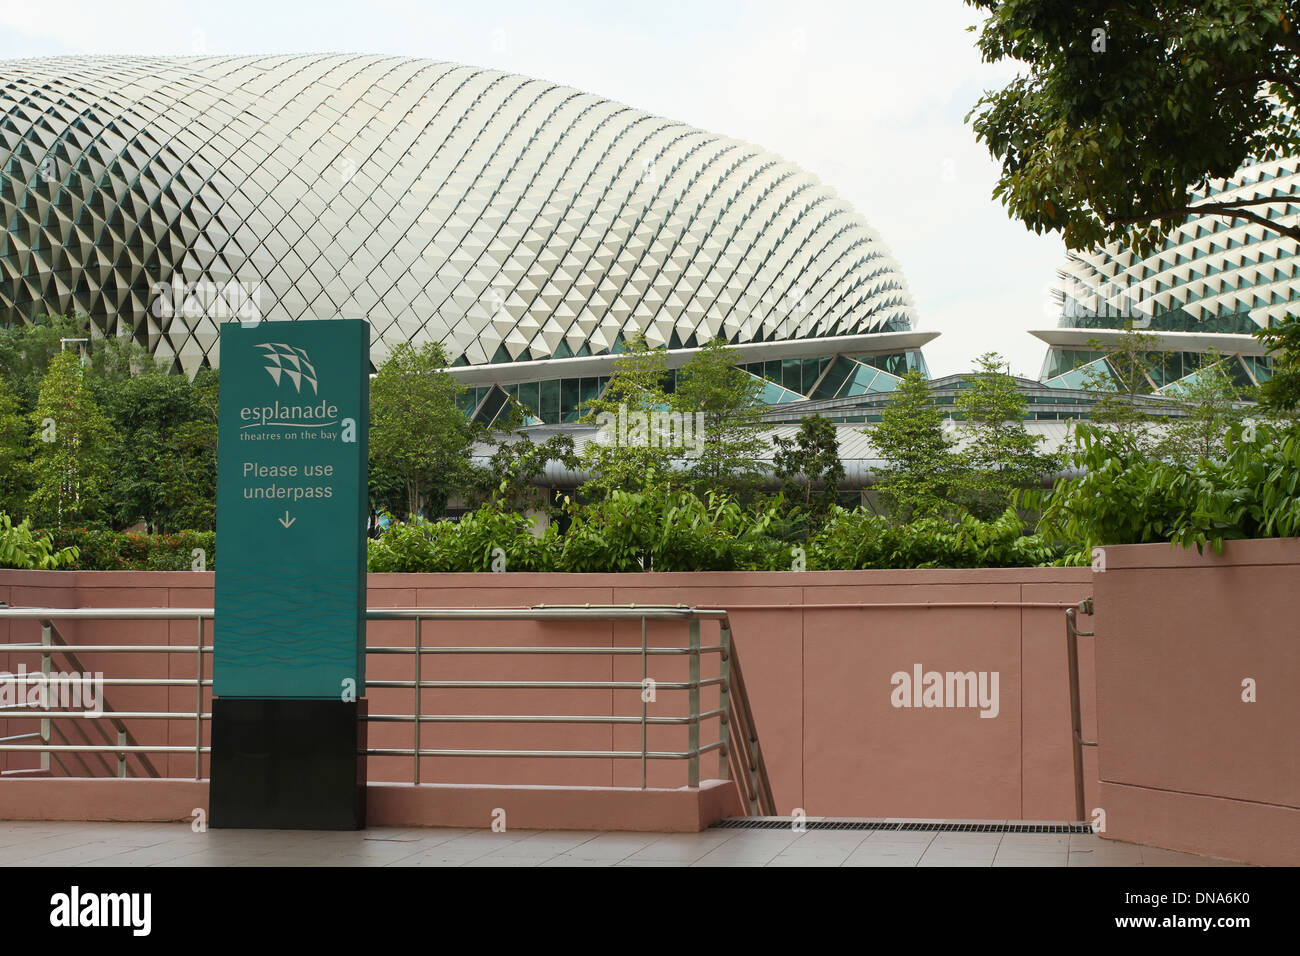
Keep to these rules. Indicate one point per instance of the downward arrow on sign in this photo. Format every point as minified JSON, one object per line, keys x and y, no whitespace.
{"x":286,"y":520}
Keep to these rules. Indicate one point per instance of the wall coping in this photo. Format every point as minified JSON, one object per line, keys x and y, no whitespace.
{"x":638,"y":579}
{"x":1254,"y":551}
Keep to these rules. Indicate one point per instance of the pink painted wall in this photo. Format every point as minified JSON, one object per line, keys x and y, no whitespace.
{"x":819,"y":680}
{"x":1185,"y":762}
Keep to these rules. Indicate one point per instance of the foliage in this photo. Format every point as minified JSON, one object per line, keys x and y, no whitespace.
{"x":810,"y":458}
{"x":919,"y":465}
{"x":1211,"y":403}
{"x":418,"y":434}
{"x":465,"y":545}
{"x":166,"y":474}
{"x":1000,"y":456}
{"x":510,"y":473}
{"x":28,"y":550}
{"x":659,"y":529}
{"x":1122,"y":381}
{"x":625,"y":458}
{"x":1126,"y":497}
{"x":727,"y":401}
{"x":100,"y":549}
{"x":27,"y":349}
{"x":72,"y":448}
{"x":1125,"y":109}
{"x":1281,"y":392}
{"x":14,"y":486}
{"x":860,"y":539}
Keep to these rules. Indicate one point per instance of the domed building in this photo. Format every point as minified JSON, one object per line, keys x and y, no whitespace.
{"x":1212,"y":283}
{"x":531,"y":228}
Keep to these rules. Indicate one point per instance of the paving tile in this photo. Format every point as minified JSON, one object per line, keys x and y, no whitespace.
{"x":863,"y":858}
{"x":1157,"y":856}
{"x":566,"y":859}
{"x":34,"y":843}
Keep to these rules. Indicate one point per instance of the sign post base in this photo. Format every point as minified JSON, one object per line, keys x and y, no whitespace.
{"x":288,"y":764}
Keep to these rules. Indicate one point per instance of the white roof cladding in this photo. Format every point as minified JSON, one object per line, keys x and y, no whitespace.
{"x":511,"y":218}
{"x":1210,"y":267}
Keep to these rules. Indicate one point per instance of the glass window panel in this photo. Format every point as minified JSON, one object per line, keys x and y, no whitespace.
{"x":570,"y":390}
{"x":550,"y":404}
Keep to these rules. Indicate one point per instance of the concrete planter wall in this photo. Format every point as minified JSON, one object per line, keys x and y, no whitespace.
{"x":820,"y":679}
{"x":1185,"y":762}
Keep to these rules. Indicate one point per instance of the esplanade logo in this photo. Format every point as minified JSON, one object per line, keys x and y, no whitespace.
{"x":289,"y":362}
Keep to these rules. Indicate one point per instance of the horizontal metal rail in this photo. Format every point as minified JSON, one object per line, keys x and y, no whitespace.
{"x":541,"y":613}
{"x":118,"y":648}
{"x":535,"y":718}
{"x":595,"y":754}
{"x":495,"y":649}
{"x":104,"y":748}
{"x":547,"y":684}
{"x":120,"y":714}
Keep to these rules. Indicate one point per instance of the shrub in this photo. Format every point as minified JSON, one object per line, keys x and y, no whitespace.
{"x":465,"y":545}
{"x":1125,"y":497}
{"x":28,"y":550}
{"x":853,"y":540}
{"x":103,"y":550}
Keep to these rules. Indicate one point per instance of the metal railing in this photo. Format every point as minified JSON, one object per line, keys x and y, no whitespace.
{"x":53,"y":643}
{"x":1072,"y":635}
{"x":736,"y":743}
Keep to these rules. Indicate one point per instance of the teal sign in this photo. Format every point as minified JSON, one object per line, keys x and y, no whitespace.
{"x":291,"y":510}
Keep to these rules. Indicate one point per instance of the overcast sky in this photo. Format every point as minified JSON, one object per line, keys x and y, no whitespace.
{"x":870,"y":96}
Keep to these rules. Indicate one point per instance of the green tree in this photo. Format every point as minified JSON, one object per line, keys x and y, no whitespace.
{"x":146,"y":410}
{"x":191,"y":497}
{"x":1211,"y":403}
{"x":1122,"y":382}
{"x":510,"y":477}
{"x":72,"y":449}
{"x":919,"y":466}
{"x":418,"y":433}
{"x":27,"y":348}
{"x":1125,"y":109}
{"x":13,"y":455}
{"x":725,"y":405}
{"x":1281,"y":393}
{"x":1000,"y":456}
{"x":629,"y":455}
{"x":808,"y":459}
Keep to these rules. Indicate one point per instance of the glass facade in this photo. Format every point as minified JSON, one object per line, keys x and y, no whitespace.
{"x":1211,"y":275}
{"x":556,"y":401}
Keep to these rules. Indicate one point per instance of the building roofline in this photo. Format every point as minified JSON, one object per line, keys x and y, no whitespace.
{"x":586,"y":366}
{"x":1229,"y":343}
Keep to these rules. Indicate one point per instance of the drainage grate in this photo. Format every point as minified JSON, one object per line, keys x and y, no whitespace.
{"x":782,"y":823}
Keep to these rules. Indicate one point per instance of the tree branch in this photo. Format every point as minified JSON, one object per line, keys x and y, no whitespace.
{"x":1227,"y":210}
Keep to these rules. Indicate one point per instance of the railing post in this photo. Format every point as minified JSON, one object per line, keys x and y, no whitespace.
{"x":1072,"y":635}
{"x":644,"y":675}
{"x":724,"y":701}
{"x":694,"y":745}
{"x":198,"y":698}
{"x":415,"y":772}
{"x":121,"y":755}
{"x":46,"y":641}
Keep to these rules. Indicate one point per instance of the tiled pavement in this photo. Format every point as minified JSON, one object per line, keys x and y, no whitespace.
{"x":176,"y":844}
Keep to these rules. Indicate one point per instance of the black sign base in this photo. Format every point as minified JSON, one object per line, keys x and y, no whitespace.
{"x":285,"y":764}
